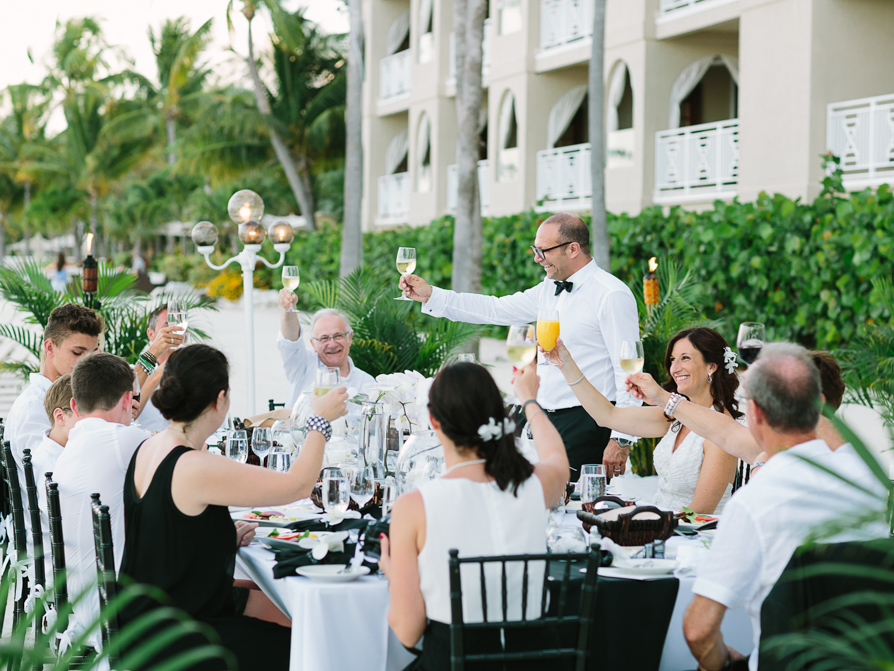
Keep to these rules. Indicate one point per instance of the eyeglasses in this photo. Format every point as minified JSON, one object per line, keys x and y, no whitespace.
{"x":337,"y":337}
{"x":542,"y":252}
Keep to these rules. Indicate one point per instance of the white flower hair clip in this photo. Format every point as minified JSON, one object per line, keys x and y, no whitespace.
{"x":494,"y":431}
{"x":729,"y":359}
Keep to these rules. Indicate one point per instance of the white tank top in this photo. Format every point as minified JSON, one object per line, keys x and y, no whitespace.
{"x":479,"y":519}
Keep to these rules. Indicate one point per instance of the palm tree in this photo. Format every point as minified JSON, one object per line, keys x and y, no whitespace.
{"x":468,"y":18}
{"x":351,"y":232}
{"x":596,"y":120}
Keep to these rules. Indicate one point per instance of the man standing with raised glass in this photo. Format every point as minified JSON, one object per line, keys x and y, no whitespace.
{"x":596,"y":313}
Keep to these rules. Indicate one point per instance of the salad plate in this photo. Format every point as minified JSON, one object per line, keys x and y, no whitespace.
{"x":332,"y":572}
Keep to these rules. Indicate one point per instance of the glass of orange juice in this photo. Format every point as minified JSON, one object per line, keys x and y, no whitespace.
{"x":547,"y":330}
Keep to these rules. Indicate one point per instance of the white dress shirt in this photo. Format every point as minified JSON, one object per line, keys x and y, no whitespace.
{"x":45,"y":456}
{"x":301,"y":362}
{"x":598,"y":313}
{"x":26,"y":425}
{"x":95,"y":459}
{"x":770,"y":517}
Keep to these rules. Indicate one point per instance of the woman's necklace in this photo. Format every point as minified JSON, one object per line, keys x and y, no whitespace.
{"x":463,"y":463}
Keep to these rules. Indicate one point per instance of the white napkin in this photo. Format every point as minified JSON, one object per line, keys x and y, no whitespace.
{"x":319,"y":547}
{"x":689,"y":557}
{"x":336,"y":518}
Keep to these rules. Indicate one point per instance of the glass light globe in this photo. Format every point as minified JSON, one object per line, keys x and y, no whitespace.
{"x":281,"y":232}
{"x":204,"y":234}
{"x":252,"y":233}
{"x":245,"y":205}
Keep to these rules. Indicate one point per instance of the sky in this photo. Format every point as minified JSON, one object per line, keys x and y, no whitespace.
{"x":32,"y":24}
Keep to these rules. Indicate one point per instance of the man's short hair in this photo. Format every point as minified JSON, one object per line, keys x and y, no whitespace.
{"x":72,"y":318}
{"x":155,"y":314}
{"x":328,"y":312}
{"x":830,"y":377}
{"x":785,"y":384}
{"x":99,"y":381}
{"x":572,"y":229}
{"x":58,"y":396}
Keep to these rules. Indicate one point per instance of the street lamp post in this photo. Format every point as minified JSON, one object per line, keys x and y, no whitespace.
{"x":246,"y":209}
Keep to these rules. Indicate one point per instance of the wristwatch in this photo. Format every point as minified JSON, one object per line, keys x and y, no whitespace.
{"x":624,"y":442}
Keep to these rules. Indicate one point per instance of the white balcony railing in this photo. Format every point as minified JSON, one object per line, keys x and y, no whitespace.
{"x":672,"y":6}
{"x":394,"y":198}
{"x":563,"y":177}
{"x":485,"y":51}
{"x":565,"y":22}
{"x":395,"y":75}
{"x":697,"y":162}
{"x":483,"y":186}
{"x":861,"y":133}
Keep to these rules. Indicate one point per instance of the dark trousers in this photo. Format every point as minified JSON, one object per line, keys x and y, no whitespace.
{"x":584,"y":439}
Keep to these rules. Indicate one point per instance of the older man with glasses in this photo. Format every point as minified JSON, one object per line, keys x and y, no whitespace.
{"x":331,"y":348}
{"x":596,"y":313}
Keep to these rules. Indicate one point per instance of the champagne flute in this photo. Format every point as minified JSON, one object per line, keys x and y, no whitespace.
{"x":290,"y":280}
{"x":632,"y":357}
{"x":750,"y":340}
{"x":547,"y":331}
{"x":261,"y":441}
{"x":327,"y":380}
{"x":363,"y":485}
{"x":336,"y":492}
{"x":521,"y":345}
{"x":237,"y":446}
{"x":406,"y":264}
{"x":178,"y":316}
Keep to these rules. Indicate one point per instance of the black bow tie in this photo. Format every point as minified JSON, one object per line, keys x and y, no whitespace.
{"x":563,"y":286}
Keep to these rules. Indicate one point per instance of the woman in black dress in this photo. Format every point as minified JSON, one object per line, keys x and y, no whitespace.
{"x":179,"y":536}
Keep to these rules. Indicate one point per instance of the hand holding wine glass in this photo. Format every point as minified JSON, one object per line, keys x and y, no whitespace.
{"x":406,"y":265}
{"x":521,"y":345}
{"x":178,"y":316}
{"x":751,"y":338}
{"x":291,"y":278}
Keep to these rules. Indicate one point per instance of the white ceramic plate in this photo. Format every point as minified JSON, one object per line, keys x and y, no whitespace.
{"x":649,"y":566}
{"x":686,"y":526}
{"x":331,"y":572}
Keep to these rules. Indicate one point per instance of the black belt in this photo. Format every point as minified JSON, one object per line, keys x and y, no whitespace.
{"x":561,"y":410}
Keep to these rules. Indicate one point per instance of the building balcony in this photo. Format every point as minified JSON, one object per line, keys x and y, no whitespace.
{"x":861,"y":133}
{"x":393,"y":199}
{"x":395,"y":76}
{"x":453,"y":183}
{"x":697,"y":162}
{"x":672,"y":9}
{"x":563,"y":178}
{"x":485,"y":52}
{"x":565,"y":23}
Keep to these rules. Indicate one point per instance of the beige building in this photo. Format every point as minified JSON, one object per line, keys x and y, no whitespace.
{"x":705,"y":99}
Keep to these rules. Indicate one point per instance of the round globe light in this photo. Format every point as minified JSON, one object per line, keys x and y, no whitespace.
{"x":245,"y":205}
{"x":281,"y":233}
{"x":252,"y":233}
{"x":204,"y":234}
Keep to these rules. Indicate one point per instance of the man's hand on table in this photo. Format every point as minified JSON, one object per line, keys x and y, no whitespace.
{"x":415,"y":288}
{"x":245,"y":533}
{"x":615,"y":459}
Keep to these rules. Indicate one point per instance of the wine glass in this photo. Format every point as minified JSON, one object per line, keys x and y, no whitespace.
{"x":406,"y":264}
{"x":363,"y":485}
{"x":547,"y":331}
{"x":750,"y":340}
{"x":282,"y":435}
{"x":521,"y":345}
{"x":389,"y":495}
{"x":178,"y":316}
{"x":261,"y":441}
{"x":336,"y":492}
{"x":327,"y":380}
{"x":290,"y":280}
{"x":237,"y":446}
{"x":632,"y":357}
{"x":280,"y":460}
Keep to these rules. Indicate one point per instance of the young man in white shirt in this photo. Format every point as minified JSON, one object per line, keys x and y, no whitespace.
{"x":787,"y":501}
{"x":95,"y":460}
{"x":596,"y":314}
{"x":330,"y":340}
{"x":72,"y":332}
{"x":57,"y":404}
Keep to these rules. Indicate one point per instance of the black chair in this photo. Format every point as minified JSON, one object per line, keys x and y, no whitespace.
{"x":19,"y":543}
{"x":743,"y":475}
{"x":836,"y":593}
{"x":105,"y":569}
{"x":40,"y":575}
{"x":271,"y":406}
{"x":57,"y":551}
{"x":557,"y":613}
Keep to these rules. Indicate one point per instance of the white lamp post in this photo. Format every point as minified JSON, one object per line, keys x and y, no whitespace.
{"x":246,"y":209}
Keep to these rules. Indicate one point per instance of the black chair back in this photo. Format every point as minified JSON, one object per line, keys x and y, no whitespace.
{"x":19,"y":542}
{"x":743,"y":475}
{"x":273,"y":406}
{"x":57,"y":549}
{"x":40,"y":576}
{"x":105,"y":569}
{"x":555,"y":610}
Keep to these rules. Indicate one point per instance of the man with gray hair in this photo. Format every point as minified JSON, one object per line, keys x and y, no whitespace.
{"x":792,"y":497}
{"x":331,"y":347}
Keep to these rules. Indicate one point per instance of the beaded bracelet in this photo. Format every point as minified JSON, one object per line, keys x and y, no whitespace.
{"x":146,"y":368}
{"x":321,"y":424}
{"x":672,"y":404}
{"x":149,"y":356}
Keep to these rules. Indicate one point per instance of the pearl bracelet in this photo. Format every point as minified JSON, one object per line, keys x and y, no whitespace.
{"x":321,"y":424}
{"x":672,"y":404}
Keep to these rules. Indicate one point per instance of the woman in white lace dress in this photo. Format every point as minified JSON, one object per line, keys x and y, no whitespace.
{"x":692,"y":472}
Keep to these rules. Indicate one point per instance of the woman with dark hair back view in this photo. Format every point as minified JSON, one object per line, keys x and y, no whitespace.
{"x":692,"y":472}
{"x":179,"y":536}
{"x":490,"y":501}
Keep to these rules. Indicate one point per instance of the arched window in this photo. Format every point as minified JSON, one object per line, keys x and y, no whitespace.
{"x":567,"y":121}
{"x":423,"y":155}
{"x":426,"y":31}
{"x":620,"y":138}
{"x":399,"y":34}
{"x":507,"y":154}
{"x":396,"y":154}
{"x":706,"y":91}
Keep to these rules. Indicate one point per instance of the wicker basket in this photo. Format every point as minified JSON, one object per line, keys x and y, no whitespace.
{"x":590,"y":507}
{"x":627,"y":530}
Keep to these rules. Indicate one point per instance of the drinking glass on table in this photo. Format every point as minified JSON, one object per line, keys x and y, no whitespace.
{"x":406,"y":264}
{"x":751,"y":338}
{"x":521,"y":345}
{"x":327,"y":380}
{"x":389,"y":495}
{"x":261,"y":441}
{"x":178,"y":316}
{"x":336,"y":492}
{"x":290,"y":280}
{"x":279,"y":459}
{"x":592,"y":482}
{"x":237,"y":446}
{"x":363,"y":485}
{"x":632,"y":357}
{"x":547,"y":331}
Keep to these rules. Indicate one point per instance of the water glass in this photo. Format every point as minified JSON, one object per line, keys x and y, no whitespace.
{"x":237,"y":446}
{"x":389,"y":495}
{"x":178,"y":315}
{"x":592,"y":482}
{"x":336,"y":492}
{"x":280,"y":460}
{"x":363,"y":486}
{"x":261,"y":441}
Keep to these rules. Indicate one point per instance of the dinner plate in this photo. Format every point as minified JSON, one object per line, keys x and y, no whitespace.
{"x":706,"y":526}
{"x":649,"y":566}
{"x":287,"y":516}
{"x":331,"y":572}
